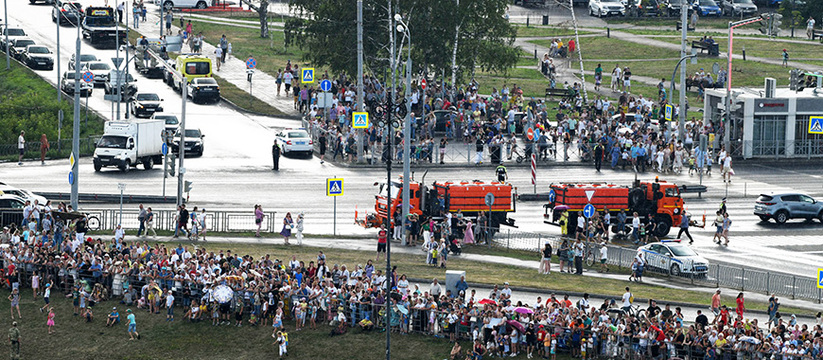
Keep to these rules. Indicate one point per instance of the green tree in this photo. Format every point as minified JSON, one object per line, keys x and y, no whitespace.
{"x":327,"y":29}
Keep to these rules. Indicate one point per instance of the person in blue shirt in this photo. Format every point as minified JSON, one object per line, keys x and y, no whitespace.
{"x":132,"y":325}
{"x":114,"y":317}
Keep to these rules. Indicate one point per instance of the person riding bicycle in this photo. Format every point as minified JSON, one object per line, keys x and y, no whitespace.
{"x":501,"y":173}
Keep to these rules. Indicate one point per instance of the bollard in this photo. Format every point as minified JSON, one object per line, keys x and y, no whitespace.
{"x":744,"y":54}
{"x":609,"y":33}
{"x":745,"y":189}
{"x":527,"y":20}
{"x":535,"y":51}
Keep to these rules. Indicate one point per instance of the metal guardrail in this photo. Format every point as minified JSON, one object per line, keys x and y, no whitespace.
{"x":87,"y":145}
{"x":164,"y":219}
{"x":718,"y":275}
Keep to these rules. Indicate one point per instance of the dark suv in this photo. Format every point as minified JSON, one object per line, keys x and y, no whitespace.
{"x":783,"y":207}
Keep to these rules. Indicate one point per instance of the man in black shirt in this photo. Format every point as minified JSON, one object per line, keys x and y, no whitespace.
{"x":701,"y":320}
{"x":183,"y":220}
{"x":275,"y":155}
{"x":478,"y":147}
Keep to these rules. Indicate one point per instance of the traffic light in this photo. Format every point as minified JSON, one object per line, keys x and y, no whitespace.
{"x":794,"y":79}
{"x":764,"y":23}
{"x":187,"y":185}
{"x":776,"y":22}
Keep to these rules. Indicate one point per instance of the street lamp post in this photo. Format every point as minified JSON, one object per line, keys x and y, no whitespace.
{"x":75,"y":141}
{"x":407,"y":123}
{"x":389,"y":113}
{"x":122,"y":188}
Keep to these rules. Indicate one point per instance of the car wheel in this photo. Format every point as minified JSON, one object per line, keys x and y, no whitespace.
{"x":125,"y":166}
{"x":781,"y":217}
{"x":148,"y":164}
{"x":168,"y":6}
{"x":664,"y":225}
{"x":764,"y":218}
{"x":820,"y":216}
{"x":201,"y":5}
{"x":674,"y":270}
{"x":97,"y":166}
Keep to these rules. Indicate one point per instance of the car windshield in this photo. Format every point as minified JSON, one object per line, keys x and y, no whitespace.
{"x":38,"y":50}
{"x":170,"y":120}
{"x":15,"y":32}
{"x":69,"y":75}
{"x":206,"y":81}
{"x":682,"y":250}
{"x":192,"y":133}
{"x":99,"y":66}
{"x":742,"y":1}
{"x":707,"y":3}
{"x":23,"y":43}
{"x":395,"y":190}
{"x":148,"y":97}
{"x":764,"y":198}
{"x":76,"y":6}
{"x":297,"y":134}
{"x":87,"y":58}
{"x":611,"y":1}
{"x":198,"y":67}
{"x":112,"y":142}
{"x":672,"y":192}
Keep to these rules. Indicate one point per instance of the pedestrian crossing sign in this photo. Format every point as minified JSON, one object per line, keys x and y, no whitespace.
{"x":816,"y":125}
{"x":360,"y":120}
{"x":820,"y":278}
{"x":308,"y":76}
{"x":334,"y":187}
{"x":669,"y":110}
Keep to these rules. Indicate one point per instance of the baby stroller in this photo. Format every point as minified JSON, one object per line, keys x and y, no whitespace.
{"x":455,"y":248}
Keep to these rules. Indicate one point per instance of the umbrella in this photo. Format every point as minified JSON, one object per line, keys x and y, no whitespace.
{"x":750,"y":340}
{"x":222,"y":294}
{"x":403,"y":309}
{"x":517,"y":325}
{"x":487,"y":302}
{"x":523,"y":310}
{"x":561,"y":207}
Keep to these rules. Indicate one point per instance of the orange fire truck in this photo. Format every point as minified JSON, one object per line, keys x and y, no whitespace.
{"x":658,"y":200}
{"x":440,"y":197}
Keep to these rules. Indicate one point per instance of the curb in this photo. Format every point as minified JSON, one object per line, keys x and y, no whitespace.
{"x":244,"y":110}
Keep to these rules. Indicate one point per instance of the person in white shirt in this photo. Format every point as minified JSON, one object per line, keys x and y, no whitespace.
{"x":636,"y":227}
{"x":727,"y":169}
{"x":604,"y":256}
{"x":21,"y":146}
{"x":627,"y":300}
{"x":507,"y":292}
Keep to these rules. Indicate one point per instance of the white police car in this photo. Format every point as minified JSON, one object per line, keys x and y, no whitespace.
{"x":295,"y":141}
{"x":674,"y":258}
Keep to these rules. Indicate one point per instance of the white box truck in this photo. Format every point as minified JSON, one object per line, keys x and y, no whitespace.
{"x":126,"y":144}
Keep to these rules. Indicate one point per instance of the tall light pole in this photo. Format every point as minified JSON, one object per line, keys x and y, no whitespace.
{"x":75,"y":142}
{"x":389,"y":113}
{"x":402,"y":27}
{"x":360,"y":76}
{"x":6,"y":30}
{"x":682,"y":101}
{"x":121,"y":187}
{"x":59,"y":89}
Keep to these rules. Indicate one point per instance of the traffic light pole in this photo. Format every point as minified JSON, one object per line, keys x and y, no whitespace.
{"x":75,"y":141}
{"x":728,"y":103}
{"x":181,"y":145}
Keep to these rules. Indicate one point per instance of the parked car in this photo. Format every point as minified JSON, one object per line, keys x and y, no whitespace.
{"x":739,"y":7}
{"x":783,"y":207}
{"x":673,"y":7}
{"x":84,"y":60}
{"x":168,"y":5}
{"x":171,"y":124}
{"x":38,"y":57}
{"x":18,"y":46}
{"x":649,"y":8}
{"x":100,"y":70}
{"x":8,"y":201}
{"x":67,"y":84}
{"x":294,"y":140}
{"x":128,"y":85}
{"x":193,"y":141}
{"x":146,"y":104}
{"x":204,"y":89}
{"x":602,"y":8}
{"x":674,"y":258}
{"x":67,"y":13}
{"x":13,"y":33}
{"x":707,"y":8}
{"x":22,"y":193}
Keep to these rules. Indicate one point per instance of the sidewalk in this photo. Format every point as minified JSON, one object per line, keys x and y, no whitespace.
{"x":531,"y":265}
{"x":233,"y":71}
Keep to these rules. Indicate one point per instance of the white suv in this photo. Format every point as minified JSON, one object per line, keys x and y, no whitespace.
{"x":168,"y":5}
{"x":601,"y":8}
{"x":295,"y":140}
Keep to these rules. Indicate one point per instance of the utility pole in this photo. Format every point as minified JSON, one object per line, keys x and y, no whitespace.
{"x":162,"y":20}
{"x":181,"y":143}
{"x":681,"y":127}
{"x":75,"y":142}
{"x":117,"y":63}
{"x":388,"y":144}
{"x":407,"y":123}
{"x":360,"y":158}
{"x":454,"y":50}
{"x":59,"y":88}
{"x":6,"y":30}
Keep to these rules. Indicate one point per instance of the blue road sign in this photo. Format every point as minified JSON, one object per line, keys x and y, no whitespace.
{"x":334,"y":187}
{"x":360,"y":120}
{"x":307,"y":76}
{"x":325,"y":85}
{"x":669,"y":110}
{"x":88,"y":76}
{"x":251,"y":63}
{"x":165,"y":149}
{"x":820,"y":278}
{"x":588,"y":211}
{"x":816,"y":125}
{"x":552,"y":195}
{"x":71,"y":178}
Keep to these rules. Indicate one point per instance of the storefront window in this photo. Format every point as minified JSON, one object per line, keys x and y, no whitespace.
{"x":769,"y":135}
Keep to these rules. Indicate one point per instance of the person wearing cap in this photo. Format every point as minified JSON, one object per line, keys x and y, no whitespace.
{"x":46,"y":296}
{"x":14,"y":338}
{"x":785,"y":57}
{"x":604,"y":257}
{"x":169,"y":306}
{"x":113,"y":318}
{"x":132,"y":325}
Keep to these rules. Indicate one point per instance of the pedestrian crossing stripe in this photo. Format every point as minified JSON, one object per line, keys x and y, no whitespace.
{"x":820,"y":278}
{"x":816,"y":125}
{"x":308,"y":76}
{"x":334,"y":187}
{"x":360,"y":120}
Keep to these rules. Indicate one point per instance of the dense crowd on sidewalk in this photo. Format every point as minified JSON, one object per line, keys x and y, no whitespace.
{"x":185,"y":282}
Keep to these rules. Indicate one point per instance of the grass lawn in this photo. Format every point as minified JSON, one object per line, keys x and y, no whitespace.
{"x":546,"y":31}
{"x":247,"y":42}
{"x":242,"y":99}
{"x":703,"y":22}
{"x":762,"y":48}
{"x":699,"y":32}
{"x":610,"y":48}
